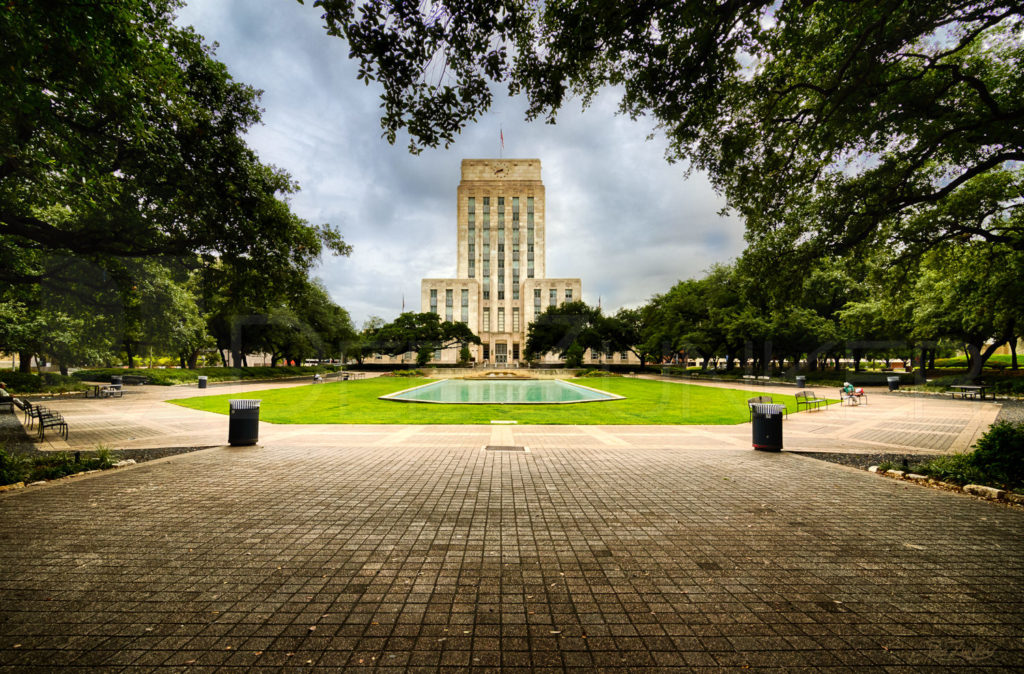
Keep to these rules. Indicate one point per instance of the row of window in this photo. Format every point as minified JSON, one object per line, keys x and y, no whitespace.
{"x":501,"y":204}
{"x":486,"y":324}
{"x":449,"y":309}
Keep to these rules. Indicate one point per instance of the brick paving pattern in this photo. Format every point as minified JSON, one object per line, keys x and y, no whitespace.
{"x":563,"y":558}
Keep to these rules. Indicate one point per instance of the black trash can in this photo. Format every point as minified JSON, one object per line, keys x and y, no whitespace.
{"x":202,"y":381}
{"x":894,"y":383}
{"x":801,"y":381}
{"x":115,"y":379}
{"x":244,"y":422}
{"x":767,"y":426}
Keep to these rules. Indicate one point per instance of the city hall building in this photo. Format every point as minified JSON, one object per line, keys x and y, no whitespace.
{"x":500,"y":283}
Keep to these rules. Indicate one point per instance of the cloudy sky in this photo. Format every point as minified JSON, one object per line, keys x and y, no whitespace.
{"x":619,"y":216}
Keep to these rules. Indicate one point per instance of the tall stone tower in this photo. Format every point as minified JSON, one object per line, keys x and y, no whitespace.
{"x":500,"y":283}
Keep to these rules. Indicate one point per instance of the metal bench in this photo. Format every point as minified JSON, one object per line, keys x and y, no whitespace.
{"x":968,"y":390}
{"x":809,"y":400}
{"x":854,"y":397}
{"x":53,"y":420}
{"x":763,"y":400}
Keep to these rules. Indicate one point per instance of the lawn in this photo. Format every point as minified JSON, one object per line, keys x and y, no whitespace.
{"x":355,"y":402}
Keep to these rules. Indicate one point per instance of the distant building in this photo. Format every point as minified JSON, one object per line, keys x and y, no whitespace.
{"x":500,"y":283}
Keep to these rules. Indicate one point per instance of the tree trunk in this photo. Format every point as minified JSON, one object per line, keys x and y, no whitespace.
{"x":1013,"y":353}
{"x":131,"y":355}
{"x":25,"y":362}
{"x":181,"y":361}
{"x":978,"y":358}
{"x":63,"y":369}
{"x":192,"y":359}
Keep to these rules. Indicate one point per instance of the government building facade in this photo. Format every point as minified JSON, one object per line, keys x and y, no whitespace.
{"x":500,"y":282}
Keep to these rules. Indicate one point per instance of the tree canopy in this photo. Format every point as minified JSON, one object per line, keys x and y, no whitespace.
{"x":829,"y":125}
{"x":123,"y":138}
{"x":132,"y":212}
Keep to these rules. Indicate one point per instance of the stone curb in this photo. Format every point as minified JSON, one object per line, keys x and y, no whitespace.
{"x":988,"y":493}
{"x":67,"y":478}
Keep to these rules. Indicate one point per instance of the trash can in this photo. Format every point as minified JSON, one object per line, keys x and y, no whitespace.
{"x":202,"y":381}
{"x":894,"y":383}
{"x":801,"y":381}
{"x":767,"y":426}
{"x":115,"y":379}
{"x":244,"y":422}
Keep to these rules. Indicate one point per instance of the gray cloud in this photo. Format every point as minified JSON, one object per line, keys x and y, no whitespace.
{"x":619,"y":216}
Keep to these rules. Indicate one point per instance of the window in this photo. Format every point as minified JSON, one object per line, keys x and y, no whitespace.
{"x":487,"y":251}
{"x":536,"y":302}
{"x":515,"y":352}
{"x":433,"y":301}
{"x":501,"y":292}
{"x":568,"y":294}
{"x":552,"y":297}
{"x":515,"y":319}
{"x":515,"y":290}
{"x":448,"y":304}
{"x":487,"y":351}
{"x":487,"y":320}
{"x":465,"y":306}
{"x":487,"y":268}
{"x":472,"y":205}
{"x":501,"y":319}
{"x":501,"y":250}
{"x":472,"y":269}
{"x":487,"y":289}
{"x":624,"y":356}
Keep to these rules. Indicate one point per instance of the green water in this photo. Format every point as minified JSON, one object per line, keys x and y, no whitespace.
{"x":512,"y":392}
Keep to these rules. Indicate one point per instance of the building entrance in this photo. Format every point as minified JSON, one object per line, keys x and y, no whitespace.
{"x":501,"y":353}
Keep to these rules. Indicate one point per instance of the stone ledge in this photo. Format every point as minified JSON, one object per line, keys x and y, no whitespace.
{"x":987,"y":492}
{"x":991,"y":493}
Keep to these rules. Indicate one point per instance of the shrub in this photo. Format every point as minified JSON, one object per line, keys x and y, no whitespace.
{"x":997,"y":460}
{"x":1001,"y":452}
{"x":172,"y":377}
{"x":574,"y":356}
{"x":596,"y":373}
{"x":13,"y":467}
{"x":406,"y":373}
{"x":24,"y":382}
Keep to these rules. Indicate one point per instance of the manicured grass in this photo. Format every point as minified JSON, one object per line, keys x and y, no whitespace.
{"x":355,"y":402}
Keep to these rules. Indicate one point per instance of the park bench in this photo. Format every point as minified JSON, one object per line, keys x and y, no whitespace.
{"x":854,"y":397}
{"x":134,"y":379}
{"x":968,"y":390}
{"x":762,"y":400}
{"x":809,"y":400}
{"x":53,"y":420}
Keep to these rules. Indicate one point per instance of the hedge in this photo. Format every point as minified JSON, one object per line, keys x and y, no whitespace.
{"x":170,"y":377}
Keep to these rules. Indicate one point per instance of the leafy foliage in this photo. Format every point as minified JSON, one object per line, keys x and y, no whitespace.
{"x":16,"y":467}
{"x":997,"y":460}
{"x":829,"y":126}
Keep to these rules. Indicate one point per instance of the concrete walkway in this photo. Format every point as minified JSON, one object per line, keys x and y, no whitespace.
{"x":603,"y":548}
{"x":888,"y":423}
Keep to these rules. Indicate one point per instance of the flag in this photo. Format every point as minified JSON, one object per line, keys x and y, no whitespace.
{"x":502,"y":136}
